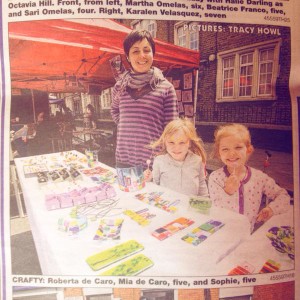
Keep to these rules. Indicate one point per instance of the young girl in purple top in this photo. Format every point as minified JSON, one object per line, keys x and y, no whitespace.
{"x":239,"y":187}
{"x":143,"y":102}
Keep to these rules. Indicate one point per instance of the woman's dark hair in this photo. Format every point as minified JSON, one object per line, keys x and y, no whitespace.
{"x":135,"y":36}
{"x":91,"y":108}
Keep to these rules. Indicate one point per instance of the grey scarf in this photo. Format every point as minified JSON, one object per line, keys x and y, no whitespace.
{"x":139,"y":84}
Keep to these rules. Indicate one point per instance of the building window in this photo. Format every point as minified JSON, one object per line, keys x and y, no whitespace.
{"x":187,"y":35}
{"x":228,"y":76}
{"x":248,"y":73}
{"x":149,"y":25}
{"x":181,"y":37}
{"x":158,"y":294}
{"x":265,"y":71}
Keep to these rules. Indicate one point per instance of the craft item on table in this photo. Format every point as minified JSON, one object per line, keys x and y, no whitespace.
{"x":64,"y":174}
{"x":85,"y":195}
{"x":109,"y":229}
{"x":55,"y":165}
{"x":78,"y":196}
{"x":270,"y":266}
{"x":75,"y":165}
{"x":130,"y":267}
{"x":171,"y":228}
{"x":113,"y":254}
{"x":54,"y":176}
{"x":33,"y":169}
{"x":142,"y":217}
{"x":98,"y":209}
{"x":72,"y":224}
{"x":34,"y":160}
{"x":201,"y":204}
{"x":65,"y":200}
{"x":71,"y":156}
{"x":130,"y":179}
{"x":202,"y":232}
{"x":211,"y":226}
{"x":92,"y":157}
{"x":242,"y":269}
{"x":100,"y":174}
{"x":156,"y":199}
{"x":109,"y":178}
{"x":42,"y":177}
{"x":75,"y":174}
{"x":52,"y":202}
{"x":283,"y":239}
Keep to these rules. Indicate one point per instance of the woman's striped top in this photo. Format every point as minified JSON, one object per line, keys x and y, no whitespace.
{"x":141,"y":121}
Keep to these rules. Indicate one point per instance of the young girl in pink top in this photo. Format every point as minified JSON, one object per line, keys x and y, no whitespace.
{"x":239,"y":187}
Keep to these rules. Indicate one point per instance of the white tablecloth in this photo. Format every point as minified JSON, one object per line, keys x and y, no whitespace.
{"x":258,"y":249}
{"x":61,"y":254}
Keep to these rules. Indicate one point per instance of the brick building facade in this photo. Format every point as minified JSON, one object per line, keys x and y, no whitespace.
{"x":268,"y":117}
{"x":261,"y":292}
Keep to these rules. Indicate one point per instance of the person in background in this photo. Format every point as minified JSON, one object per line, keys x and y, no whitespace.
{"x":180,"y":165}
{"x":143,"y":102}
{"x":238,"y":187}
{"x":44,"y":129}
{"x":89,"y":118}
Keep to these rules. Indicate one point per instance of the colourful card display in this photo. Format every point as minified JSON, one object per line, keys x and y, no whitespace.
{"x":109,"y":229}
{"x":100,"y":174}
{"x":142,"y":217}
{"x":111,"y":255}
{"x":242,"y":269}
{"x":130,"y":267}
{"x":171,"y":228}
{"x":282,"y":239}
{"x":202,"y":232}
{"x":156,"y":199}
{"x":201,"y":204}
{"x":130,"y":179}
{"x":270,"y":266}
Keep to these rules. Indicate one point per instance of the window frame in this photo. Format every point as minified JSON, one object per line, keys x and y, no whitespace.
{"x":237,"y":53}
{"x":142,"y":25}
{"x":187,"y":34}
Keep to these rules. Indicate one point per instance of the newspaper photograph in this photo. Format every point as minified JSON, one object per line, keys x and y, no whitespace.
{"x":149,"y":149}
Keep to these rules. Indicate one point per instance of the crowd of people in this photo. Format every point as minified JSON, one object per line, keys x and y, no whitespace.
{"x":36,"y":138}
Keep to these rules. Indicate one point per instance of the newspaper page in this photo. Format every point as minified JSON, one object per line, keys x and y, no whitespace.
{"x":75,"y":223}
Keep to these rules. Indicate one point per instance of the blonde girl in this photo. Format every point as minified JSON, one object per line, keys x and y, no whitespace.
{"x":180,"y":162}
{"x":239,"y":187}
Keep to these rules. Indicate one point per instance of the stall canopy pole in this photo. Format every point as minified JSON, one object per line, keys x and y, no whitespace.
{"x":195,"y":95}
{"x":33,"y":106}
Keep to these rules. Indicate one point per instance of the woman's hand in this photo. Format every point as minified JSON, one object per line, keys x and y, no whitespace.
{"x":148,"y":175}
{"x":265,"y":214}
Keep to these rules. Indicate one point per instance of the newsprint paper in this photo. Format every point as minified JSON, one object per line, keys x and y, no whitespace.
{"x":76,"y":226}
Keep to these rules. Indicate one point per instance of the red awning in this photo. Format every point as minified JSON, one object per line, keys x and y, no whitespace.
{"x":68,"y":55}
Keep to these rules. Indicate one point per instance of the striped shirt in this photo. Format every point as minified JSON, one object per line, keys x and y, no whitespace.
{"x":142,"y":121}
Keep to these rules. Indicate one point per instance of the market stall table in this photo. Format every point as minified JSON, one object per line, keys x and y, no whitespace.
{"x":258,"y":250}
{"x":63,"y":254}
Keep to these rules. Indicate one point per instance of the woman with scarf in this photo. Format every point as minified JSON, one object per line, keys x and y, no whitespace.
{"x":143,"y":102}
